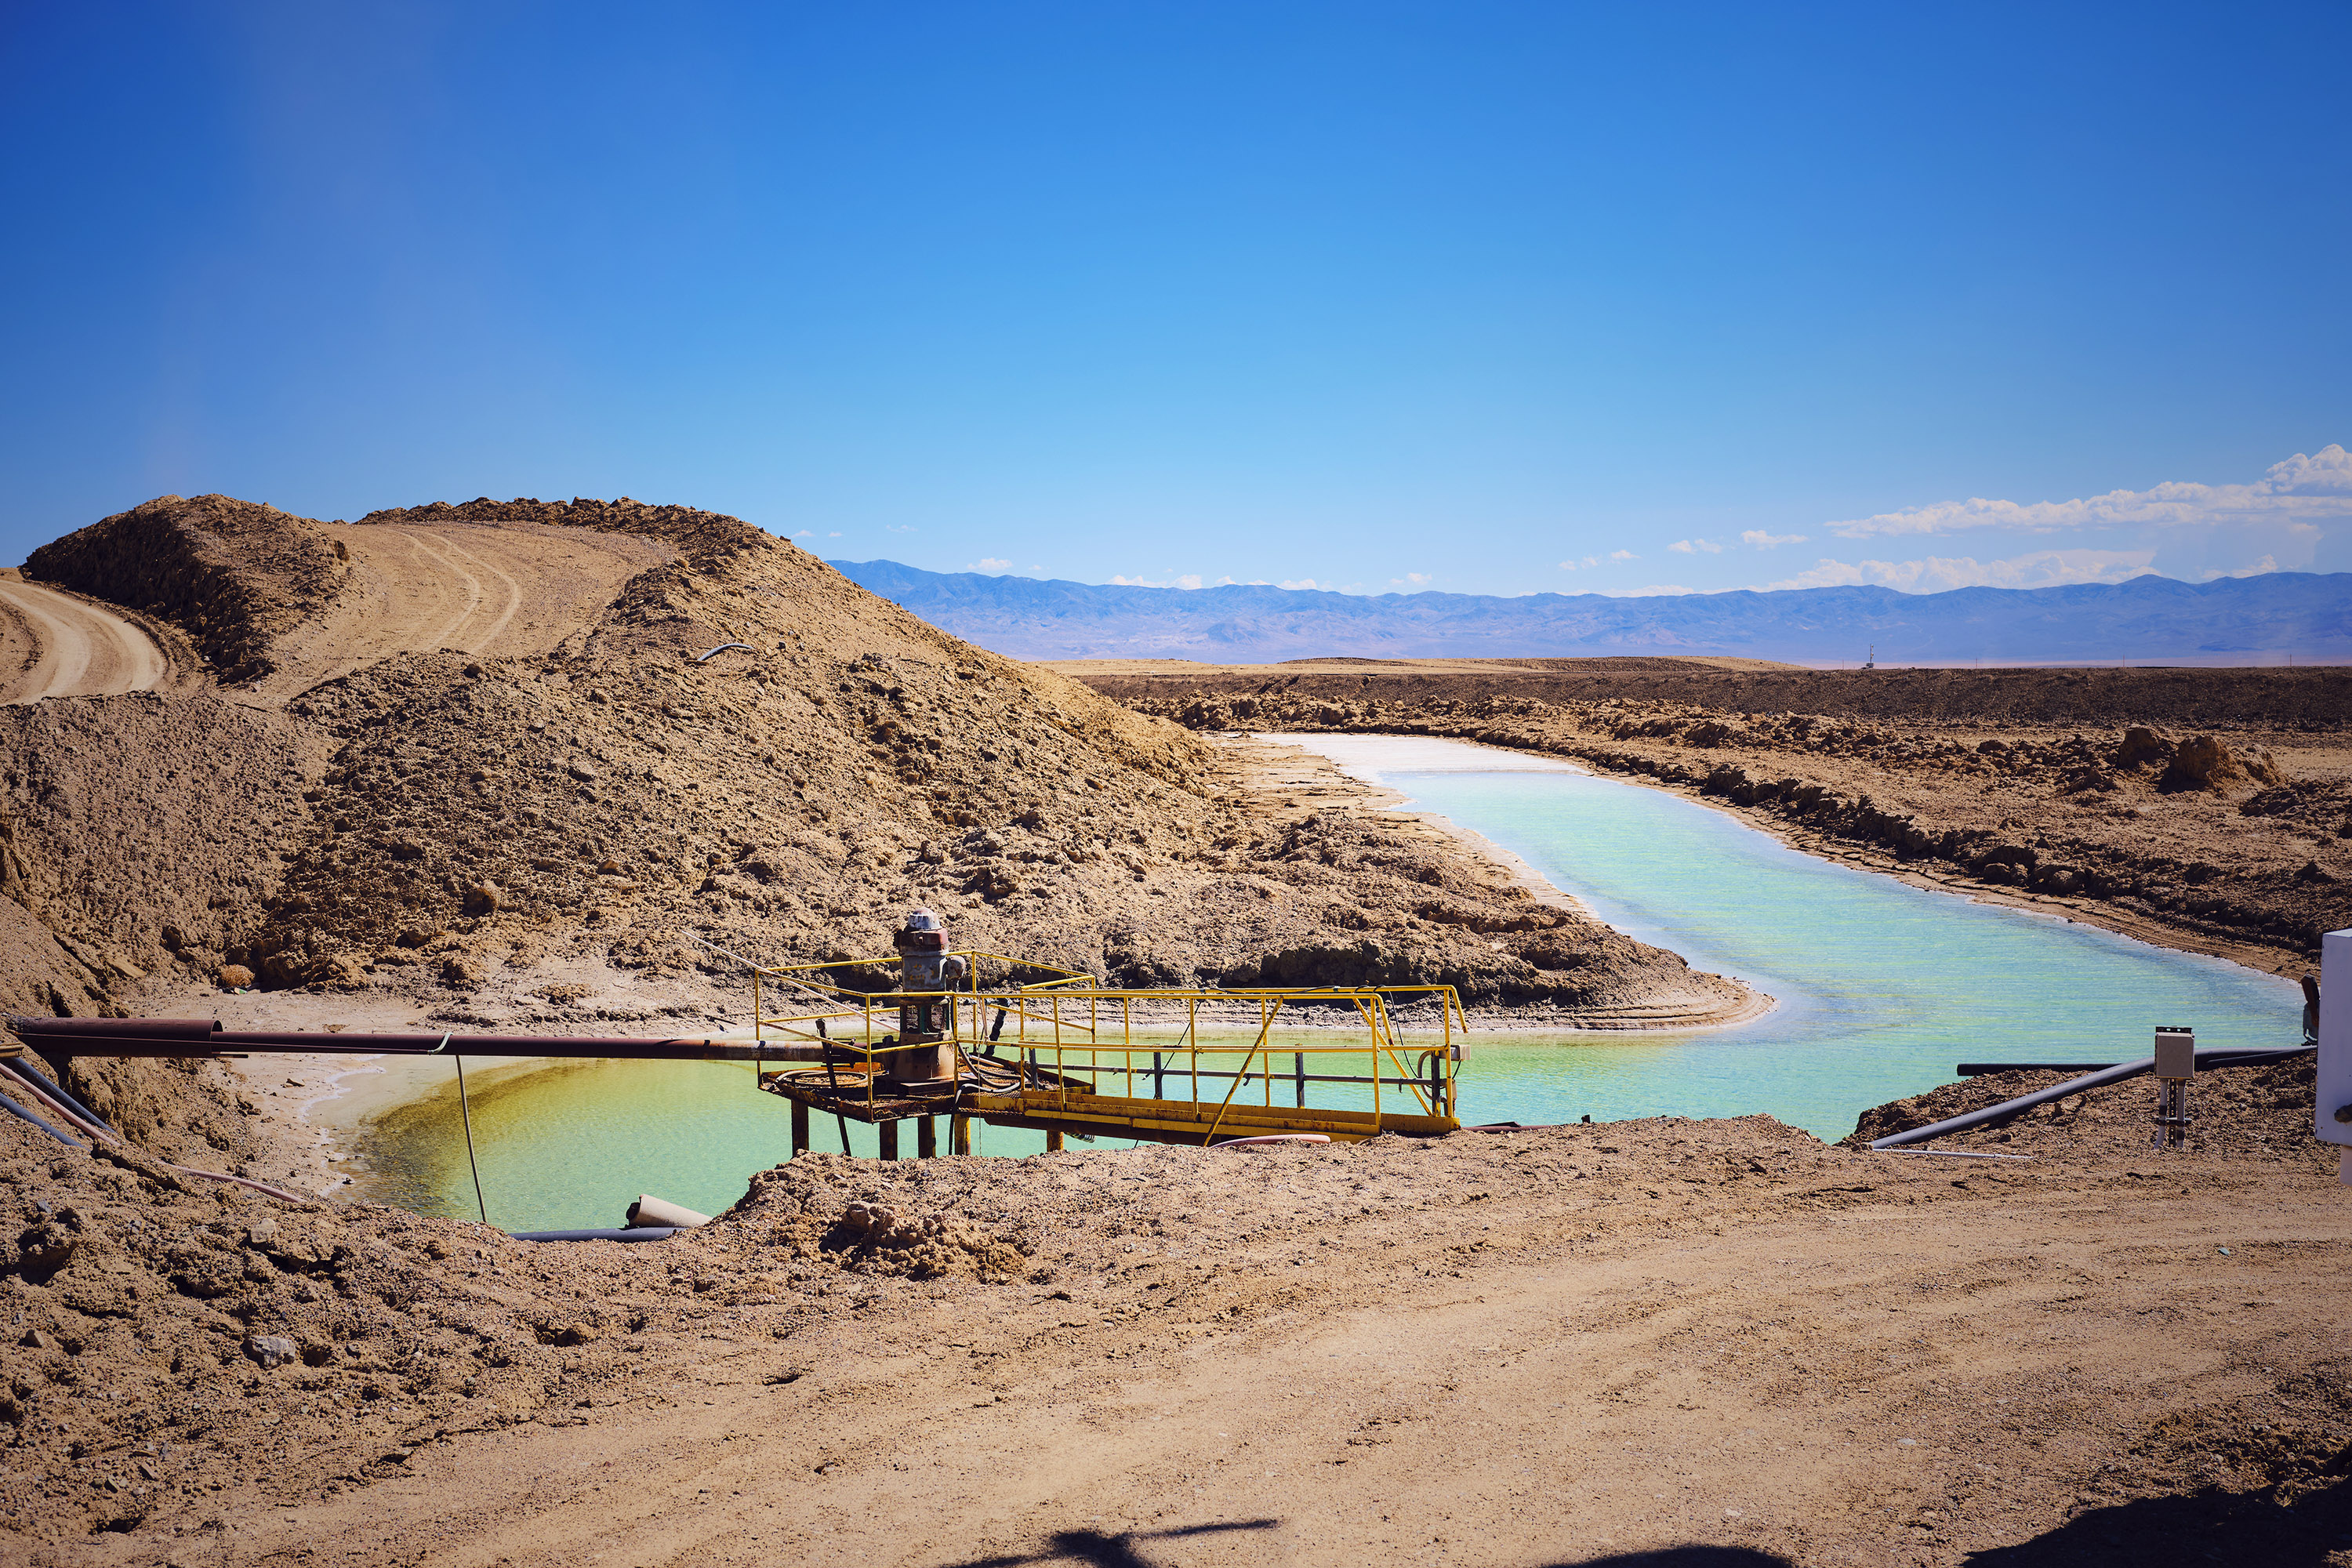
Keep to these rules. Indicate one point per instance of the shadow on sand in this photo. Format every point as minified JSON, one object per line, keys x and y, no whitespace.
{"x":2223,"y":1527}
{"x":2230,"y":1528}
{"x":1101,"y":1551}
{"x":1092,"y":1546}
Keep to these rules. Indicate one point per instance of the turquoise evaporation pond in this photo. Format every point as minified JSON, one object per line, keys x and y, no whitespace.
{"x":1882,"y":988}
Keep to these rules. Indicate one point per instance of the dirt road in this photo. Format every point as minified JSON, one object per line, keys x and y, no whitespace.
{"x":1540,"y":1348}
{"x":494,"y":589}
{"x":55,"y":645}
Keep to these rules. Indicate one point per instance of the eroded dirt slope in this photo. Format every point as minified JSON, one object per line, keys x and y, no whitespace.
{"x":790,"y":798}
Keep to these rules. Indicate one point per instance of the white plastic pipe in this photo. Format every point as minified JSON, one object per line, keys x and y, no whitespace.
{"x":649,"y":1210}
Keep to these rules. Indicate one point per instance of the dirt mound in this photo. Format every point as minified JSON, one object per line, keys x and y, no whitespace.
{"x":143,"y":829}
{"x":2261,"y":1110}
{"x":2202,"y":763}
{"x":236,"y":575}
{"x":704,"y":538}
{"x":789,"y":796}
{"x":592,"y":778}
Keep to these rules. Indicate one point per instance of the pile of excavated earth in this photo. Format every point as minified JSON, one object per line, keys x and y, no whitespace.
{"x":453,"y":820}
{"x":499,"y":764}
{"x":2205,"y":809}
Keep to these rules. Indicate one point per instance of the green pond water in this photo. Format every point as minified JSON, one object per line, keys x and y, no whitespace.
{"x":1881,"y":989}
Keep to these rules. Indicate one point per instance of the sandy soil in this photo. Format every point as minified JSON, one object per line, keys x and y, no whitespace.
{"x":1552,"y":1346}
{"x":490,"y":589}
{"x":54,"y":644}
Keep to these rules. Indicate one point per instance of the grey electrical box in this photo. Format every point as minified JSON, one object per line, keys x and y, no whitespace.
{"x":2176,"y":1053}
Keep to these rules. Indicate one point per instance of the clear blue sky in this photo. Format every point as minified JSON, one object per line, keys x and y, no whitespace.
{"x":1352,"y":292}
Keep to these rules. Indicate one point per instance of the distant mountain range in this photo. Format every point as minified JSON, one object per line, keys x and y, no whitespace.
{"x":2150,"y":619}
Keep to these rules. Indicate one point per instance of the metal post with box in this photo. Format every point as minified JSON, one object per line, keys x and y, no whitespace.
{"x":2332,"y":1105}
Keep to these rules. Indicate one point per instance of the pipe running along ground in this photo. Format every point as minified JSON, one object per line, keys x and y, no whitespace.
{"x":57,"y":1092}
{"x":2206,"y":1061}
{"x":13,"y":1109}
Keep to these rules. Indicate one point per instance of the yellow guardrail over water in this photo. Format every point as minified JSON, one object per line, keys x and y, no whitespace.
{"x":1019,"y":1044}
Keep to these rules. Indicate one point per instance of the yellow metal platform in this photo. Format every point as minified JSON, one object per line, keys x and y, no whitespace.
{"x":1052,"y":1050}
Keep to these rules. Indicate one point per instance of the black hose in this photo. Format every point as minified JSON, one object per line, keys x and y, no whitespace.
{"x":19,"y":1112}
{"x":634,"y":1233}
{"x":2073,"y":1086}
{"x":68,"y":1100}
{"x":37,"y":1091}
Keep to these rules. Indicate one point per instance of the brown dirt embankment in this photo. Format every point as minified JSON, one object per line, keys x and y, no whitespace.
{"x":584,"y":786}
{"x":1553,"y":1345}
{"x":481,"y":820}
{"x":235,"y":576}
{"x":2234,"y":838}
{"x":2208,"y":698}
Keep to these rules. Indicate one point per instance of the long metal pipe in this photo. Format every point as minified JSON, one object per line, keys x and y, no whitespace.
{"x":185,"y":1037}
{"x":634,"y":1233}
{"x":2073,"y":1086}
{"x":157,"y":1029}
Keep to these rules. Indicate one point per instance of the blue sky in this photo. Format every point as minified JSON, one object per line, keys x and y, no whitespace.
{"x":1488,"y":298}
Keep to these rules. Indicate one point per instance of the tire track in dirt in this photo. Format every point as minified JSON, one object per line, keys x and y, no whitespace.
{"x":59,"y":646}
{"x":491,"y":634}
{"x":484,"y":589}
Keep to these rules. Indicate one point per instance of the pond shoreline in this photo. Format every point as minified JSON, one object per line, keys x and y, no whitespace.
{"x":2259,"y":957}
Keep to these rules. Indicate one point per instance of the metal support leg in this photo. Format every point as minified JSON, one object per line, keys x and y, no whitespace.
{"x":1299,"y":1070}
{"x":800,"y":1129}
{"x":889,"y":1133}
{"x":927,"y":1138}
{"x":959,"y":1134}
{"x":1053,"y":1142}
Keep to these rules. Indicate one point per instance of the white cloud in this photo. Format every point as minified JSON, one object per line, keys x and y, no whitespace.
{"x":990,"y":563}
{"x":2267,"y":564}
{"x":1686,"y":546}
{"x":1623,"y":555}
{"x":1411,"y":580}
{"x":1189,"y":580}
{"x":2297,"y":491}
{"x":834,"y":534}
{"x":1588,"y":561}
{"x":1763,"y":541}
{"x":1303,"y":582}
{"x":2037,"y":569}
{"x":805,"y":533}
{"x":899,"y":528}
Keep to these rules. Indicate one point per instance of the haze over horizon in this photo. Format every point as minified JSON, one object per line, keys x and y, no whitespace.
{"x":1490,"y":299}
